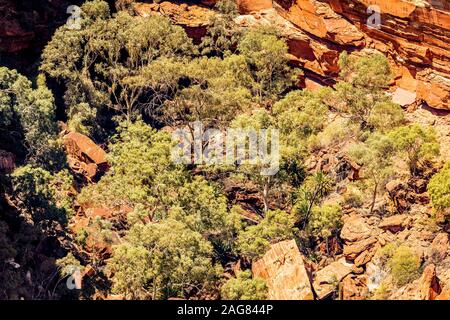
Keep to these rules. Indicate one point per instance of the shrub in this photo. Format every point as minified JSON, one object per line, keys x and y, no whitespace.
{"x":404,"y":265}
{"x":416,"y":143}
{"x":386,"y":116}
{"x":325,"y":220}
{"x":439,"y":189}
{"x":44,"y":195}
{"x":353,"y":197}
{"x":243,"y":287}
{"x":255,"y":240}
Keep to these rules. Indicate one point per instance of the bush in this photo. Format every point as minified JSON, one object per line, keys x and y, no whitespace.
{"x":44,"y":195}
{"x":354,"y":197}
{"x":416,"y":143}
{"x":386,"y":116}
{"x":439,"y":189}
{"x":243,"y":287}
{"x":325,"y":220}
{"x":255,"y":240}
{"x":404,"y":265}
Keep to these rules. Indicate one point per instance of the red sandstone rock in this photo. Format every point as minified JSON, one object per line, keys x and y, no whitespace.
{"x":394,"y":223}
{"x":428,"y":287}
{"x":319,"y":19}
{"x":284,"y":270}
{"x":83,"y":155}
{"x":82,"y":147}
{"x":248,"y":6}
{"x":327,"y":279}
{"x":354,"y":288}
{"x":355,"y":229}
{"x":353,"y":250}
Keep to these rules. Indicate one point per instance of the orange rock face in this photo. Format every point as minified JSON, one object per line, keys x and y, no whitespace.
{"x":428,"y":288}
{"x":285,"y":272}
{"x":415,"y":36}
{"x":320,"y":20}
{"x":83,"y":155}
{"x":248,"y":6}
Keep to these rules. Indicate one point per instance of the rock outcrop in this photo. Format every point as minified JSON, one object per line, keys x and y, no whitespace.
{"x":84,"y":156}
{"x":284,"y":269}
{"x":326,"y":280}
{"x":354,"y":288}
{"x":415,"y":35}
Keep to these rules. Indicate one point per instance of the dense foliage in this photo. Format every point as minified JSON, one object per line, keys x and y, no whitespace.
{"x":164,"y":230}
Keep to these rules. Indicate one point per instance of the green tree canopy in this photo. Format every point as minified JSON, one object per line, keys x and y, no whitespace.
{"x":244,"y":287}
{"x":255,"y":240}
{"x":362,"y":87}
{"x":162,"y":260}
{"x":30,"y":112}
{"x":439,"y":189}
{"x":102,"y":63}
{"x":266,"y":55}
{"x":375,"y":156}
{"x":417,"y":143}
{"x":43,"y":194}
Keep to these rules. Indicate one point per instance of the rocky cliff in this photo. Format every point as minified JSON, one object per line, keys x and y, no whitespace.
{"x":415,"y":35}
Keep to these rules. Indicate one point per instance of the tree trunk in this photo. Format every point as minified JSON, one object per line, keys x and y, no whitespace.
{"x":266,"y":195}
{"x":374,"y":197}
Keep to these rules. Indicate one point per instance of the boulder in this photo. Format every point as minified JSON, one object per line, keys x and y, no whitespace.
{"x":395,"y":223}
{"x":285,"y":272}
{"x":355,"y":228}
{"x":353,"y":250}
{"x":428,"y":287}
{"x":365,"y":256}
{"x":354,"y":288}
{"x":83,"y":148}
{"x":83,"y":155}
{"x":248,"y":6}
{"x":440,"y":246}
{"x":326,"y":280}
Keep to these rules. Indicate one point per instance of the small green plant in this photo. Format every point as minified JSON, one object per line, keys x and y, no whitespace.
{"x":439,"y":189}
{"x":325,"y":220}
{"x":244,"y":287}
{"x":354,"y":197}
{"x":81,"y":236}
{"x":404,"y":265}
